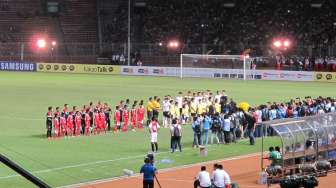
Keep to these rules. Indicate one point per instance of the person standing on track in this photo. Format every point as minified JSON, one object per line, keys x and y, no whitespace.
{"x":148,"y":171}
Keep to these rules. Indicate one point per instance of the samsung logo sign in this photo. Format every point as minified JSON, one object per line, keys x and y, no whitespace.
{"x":17,"y":66}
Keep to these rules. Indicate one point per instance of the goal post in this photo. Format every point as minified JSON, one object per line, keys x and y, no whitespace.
{"x":197,"y":62}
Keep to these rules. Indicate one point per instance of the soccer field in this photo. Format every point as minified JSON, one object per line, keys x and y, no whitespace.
{"x":24,"y":99}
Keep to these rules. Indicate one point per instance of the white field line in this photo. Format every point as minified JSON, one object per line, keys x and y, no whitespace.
{"x":88,"y":164}
{"x":137,"y":175}
{"x":21,"y":118}
{"x":84,"y":164}
{"x":77,"y":165}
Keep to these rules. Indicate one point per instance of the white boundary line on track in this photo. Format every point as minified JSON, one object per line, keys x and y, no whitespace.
{"x":160,"y":171}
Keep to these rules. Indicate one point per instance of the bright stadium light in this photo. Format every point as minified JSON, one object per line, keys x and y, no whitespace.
{"x":41,"y":43}
{"x":277,"y":44}
{"x":286,"y":43}
{"x":173,"y":44}
{"x":53,"y":43}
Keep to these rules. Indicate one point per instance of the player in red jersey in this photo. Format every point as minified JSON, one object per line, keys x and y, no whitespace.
{"x":117,"y":120}
{"x":96,"y":121}
{"x":70,"y":127}
{"x":63,"y":124}
{"x":102,"y":121}
{"x":78,"y":121}
{"x":87,"y":123}
{"x":125,"y":119}
{"x":57,"y":127}
{"x":140,"y":115}
{"x":133,"y":117}
{"x":57,"y":113}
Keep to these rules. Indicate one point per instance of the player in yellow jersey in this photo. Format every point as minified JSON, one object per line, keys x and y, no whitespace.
{"x":172,"y":110}
{"x":217,"y":106}
{"x":193,"y":107}
{"x":199,"y":108}
{"x":177,"y":113}
{"x":185,"y":113}
{"x":149,"y":109}
{"x":156,"y":107}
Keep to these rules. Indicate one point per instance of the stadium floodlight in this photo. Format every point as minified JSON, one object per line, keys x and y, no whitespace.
{"x":53,"y":43}
{"x":41,"y":43}
{"x":286,"y":43}
{"x":204,"y":64}
{"x":173,"y":44}
{"x":277,"y":44}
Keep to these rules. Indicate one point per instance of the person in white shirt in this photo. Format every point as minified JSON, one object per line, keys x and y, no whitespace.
{"x":153,"y":130}
{"x":203,"y":179}
{"x":220,"y":178}
{"x":165,"y":109}
{"x":179,"y":100}
{"x":218,"y":96}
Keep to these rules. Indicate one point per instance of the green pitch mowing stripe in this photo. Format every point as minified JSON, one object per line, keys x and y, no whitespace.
{"x":24,"y":98}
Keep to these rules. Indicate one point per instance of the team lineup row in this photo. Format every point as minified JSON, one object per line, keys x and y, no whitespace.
{"x":95,"y":119}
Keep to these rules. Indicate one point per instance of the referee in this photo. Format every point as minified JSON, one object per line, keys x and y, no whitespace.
{"x":149,"y":109}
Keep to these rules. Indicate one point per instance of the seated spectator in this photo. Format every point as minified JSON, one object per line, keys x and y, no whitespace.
{"x":220,"y":178}
{"x":203,"y":179}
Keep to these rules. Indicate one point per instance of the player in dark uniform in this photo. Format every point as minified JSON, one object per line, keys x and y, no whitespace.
{"x":49,"y":121}
{"x":83,"y":120}
{"x":91,"y":109}
{"x":107,"y":112}
{"x":65,"y":111}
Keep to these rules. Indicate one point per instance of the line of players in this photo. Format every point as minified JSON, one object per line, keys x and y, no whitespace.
{"x":184,"y":108}
{"x":93,"y":119}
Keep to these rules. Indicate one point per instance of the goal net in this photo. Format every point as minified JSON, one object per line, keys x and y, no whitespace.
{"x":216,"y":66}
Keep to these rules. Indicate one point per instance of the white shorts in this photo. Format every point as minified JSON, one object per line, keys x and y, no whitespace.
{"x":153,"y":137}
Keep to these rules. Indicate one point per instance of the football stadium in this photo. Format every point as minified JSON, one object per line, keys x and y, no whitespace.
{"x":167,"y":94}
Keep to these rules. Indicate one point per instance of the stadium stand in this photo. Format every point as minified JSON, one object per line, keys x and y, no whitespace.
{"x":23,"y":20}
{"x":99,"y":29}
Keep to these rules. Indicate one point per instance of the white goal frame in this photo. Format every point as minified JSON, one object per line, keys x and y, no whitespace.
{"x":229,"y":57}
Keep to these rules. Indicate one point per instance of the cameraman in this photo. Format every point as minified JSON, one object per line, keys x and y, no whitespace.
{"x":148,"y":170}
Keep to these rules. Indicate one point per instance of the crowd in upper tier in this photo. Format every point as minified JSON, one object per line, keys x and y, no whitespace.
{"x":249,"y":24}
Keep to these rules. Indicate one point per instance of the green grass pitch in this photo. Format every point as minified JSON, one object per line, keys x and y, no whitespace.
{"x":24,"y":98}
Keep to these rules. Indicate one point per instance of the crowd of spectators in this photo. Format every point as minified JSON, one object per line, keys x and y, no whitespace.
{"x":249,"y":24}
{"x":300,"y":63}
{"x":216,"y":28}
{"x":294,"y":108}
{"x":235,"y":122}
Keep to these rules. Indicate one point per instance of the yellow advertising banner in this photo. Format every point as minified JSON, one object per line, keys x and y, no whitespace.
{"x":325,"y":76}
{"x":78,"y":68}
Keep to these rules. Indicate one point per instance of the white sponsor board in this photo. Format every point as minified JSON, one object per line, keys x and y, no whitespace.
{"x":219,"y":73}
